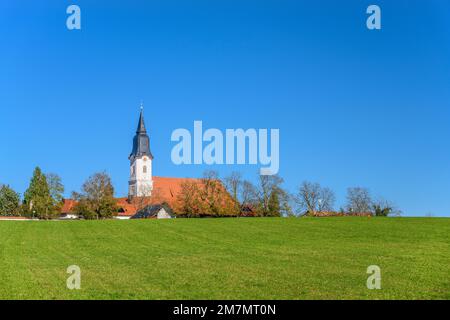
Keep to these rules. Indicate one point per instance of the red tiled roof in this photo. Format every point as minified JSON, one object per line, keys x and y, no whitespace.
{"x":164,"y":190}
{"x":68,"y":206}
{"x":125,"y":207}
{"x":167,"y":189}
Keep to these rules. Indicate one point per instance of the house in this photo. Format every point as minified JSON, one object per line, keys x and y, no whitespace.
{"x":157,"y":211}
{"x":67,"y":210}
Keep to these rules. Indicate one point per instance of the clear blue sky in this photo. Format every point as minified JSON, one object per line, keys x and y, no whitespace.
{"x":354,"y":107}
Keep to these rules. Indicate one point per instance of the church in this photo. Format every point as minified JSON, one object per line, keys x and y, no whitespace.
{"x":141,"y":158}
{"x":148,"y":196}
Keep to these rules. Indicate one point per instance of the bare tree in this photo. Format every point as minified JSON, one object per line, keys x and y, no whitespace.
{"x":308,"y":197}
{"x":312,"y":198}
{"x":248,"y":193}
{"x":269,"y":188}
{"x":233,"y":183}
{"x":327,"y":200}
{"x":266,"y":185}
{"x":359,"y":200}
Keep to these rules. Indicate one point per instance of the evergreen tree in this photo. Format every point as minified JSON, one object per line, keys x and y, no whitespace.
{"x":37,"y":198}
{"x":9,"y":201}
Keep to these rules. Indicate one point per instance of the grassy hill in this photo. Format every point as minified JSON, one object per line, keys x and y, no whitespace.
{"x":253,"y":258}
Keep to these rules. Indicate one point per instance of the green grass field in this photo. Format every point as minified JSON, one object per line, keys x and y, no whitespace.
{"x":253,"y":258}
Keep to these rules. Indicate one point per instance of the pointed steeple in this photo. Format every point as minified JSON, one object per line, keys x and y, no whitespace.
{"x":141,"y":141}
{"x":141,"y":124}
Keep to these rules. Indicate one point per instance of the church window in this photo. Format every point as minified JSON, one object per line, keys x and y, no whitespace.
{"x":145,"y":169}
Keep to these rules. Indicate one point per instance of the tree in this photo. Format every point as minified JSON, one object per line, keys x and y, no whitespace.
{"x":384,"y":208}
{"x":274,"y":208}
{"x":248,"y":193}
{"x":286,"y":200}
{"x":380,"y":211}
{"x":269,"y":191}
{"x":9,"y":201}
{"x":359,"y":200}
{"x":96,"y":201}
{"x":312,"y":198}
{"x":327,"y":200}
{"x":56,"y":188}
{"x":188,"y":200}
{"x":215,"y":200}
{"x":267,"y":184}
{"x":210,"y":193}
{"x":205,"y":197}
{"x":37,"y":199}
{"x":233,"y":183}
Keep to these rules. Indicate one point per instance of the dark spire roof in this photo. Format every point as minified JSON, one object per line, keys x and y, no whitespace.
{"x":141,"y":124}
{"x":141,"y":141}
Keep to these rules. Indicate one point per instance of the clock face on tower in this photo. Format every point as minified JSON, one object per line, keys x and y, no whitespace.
{"x":145,"y":159}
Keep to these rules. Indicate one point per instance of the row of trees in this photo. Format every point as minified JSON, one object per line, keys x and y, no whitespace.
{"x":268,"y":198}
{"x":211,"y":196}
{"x":204,"y":197}
{"x":43,"y":198}
{"x":313,"y":199}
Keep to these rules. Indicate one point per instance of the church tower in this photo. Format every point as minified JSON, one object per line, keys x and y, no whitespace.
{"x":141,"y":182}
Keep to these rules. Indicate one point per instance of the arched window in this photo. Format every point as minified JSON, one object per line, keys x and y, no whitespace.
{"x":145,"y":169}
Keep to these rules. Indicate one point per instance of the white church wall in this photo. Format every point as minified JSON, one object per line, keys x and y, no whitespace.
{"x":141,"y":182}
